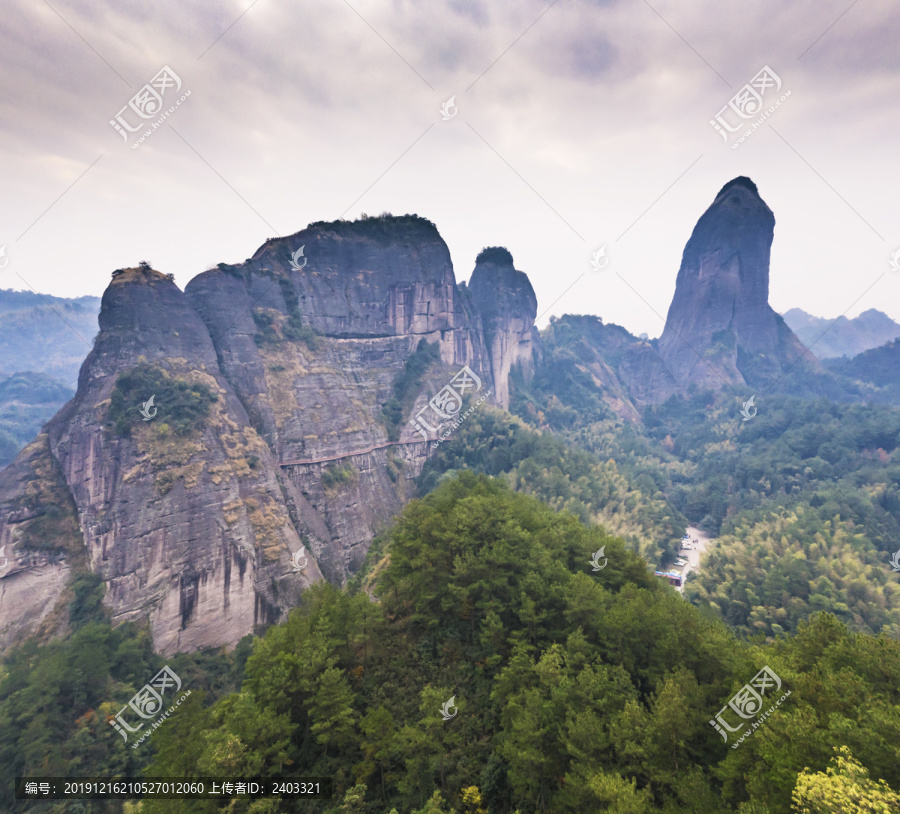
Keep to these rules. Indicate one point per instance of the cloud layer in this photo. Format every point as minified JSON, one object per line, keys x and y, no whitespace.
{"x":578,"y":125}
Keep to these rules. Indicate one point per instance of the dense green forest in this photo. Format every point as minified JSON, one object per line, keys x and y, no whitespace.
{"x":562,"y":476}
{"x":804,"y":498}
{"x":574,"y":690}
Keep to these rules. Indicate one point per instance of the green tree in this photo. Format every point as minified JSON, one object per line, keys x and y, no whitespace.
{"x":844,"y":788}
{"x":330,"y":708}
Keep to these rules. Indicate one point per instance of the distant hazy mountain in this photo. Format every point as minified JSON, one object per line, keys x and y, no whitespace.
{"x":46,"y":334}
{"x":877,"y":369}
{"x":43,"y":341}
{"x":830,"y":339}
{"x":27,"y":400}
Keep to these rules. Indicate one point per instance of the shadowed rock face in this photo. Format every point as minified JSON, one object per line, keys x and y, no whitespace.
{"x":197,"y":532}
{"x":720,"y":329}
{"x":507,"y":304}
{"x":182,"y":527}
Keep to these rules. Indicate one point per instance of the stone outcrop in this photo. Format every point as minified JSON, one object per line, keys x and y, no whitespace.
{"x":184,"y":527}
{"x":301,"y":353}
{"x":508,"y":306}
{"x":626,"y":372}
{"x":720,"y":329}
{"x":300,"y":349}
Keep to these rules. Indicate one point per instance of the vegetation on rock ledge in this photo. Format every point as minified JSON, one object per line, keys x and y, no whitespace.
{"x":406,"y":386}
{"x":495,"y":254}
{"x":181,"y":404}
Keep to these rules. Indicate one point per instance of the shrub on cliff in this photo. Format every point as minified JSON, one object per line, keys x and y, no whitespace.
{"x":407,"y":385}
{"x":495,"y":254}
{"x":383,"y":228}
{"x":181,"y":404}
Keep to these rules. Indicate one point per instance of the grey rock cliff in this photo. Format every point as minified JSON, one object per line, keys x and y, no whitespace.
{"x":720,"y":328}
{"x":196,"y":532}
{"x":507,"y":304}
{"x":182,"y":527}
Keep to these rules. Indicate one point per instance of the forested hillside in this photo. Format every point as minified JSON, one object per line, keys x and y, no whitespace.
{"x":562,"y":476}
{"x":570,"y":690}
{"x":805,"y":496}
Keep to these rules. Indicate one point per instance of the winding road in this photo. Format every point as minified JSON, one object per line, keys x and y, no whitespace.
{"x":693,"y":556}
{"x":351,"y":454}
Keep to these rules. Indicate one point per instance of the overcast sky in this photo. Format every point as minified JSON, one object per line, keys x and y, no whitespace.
{"x":576,"y":125}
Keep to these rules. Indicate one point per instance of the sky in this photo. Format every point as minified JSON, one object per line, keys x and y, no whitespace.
{"x":555,"y":129}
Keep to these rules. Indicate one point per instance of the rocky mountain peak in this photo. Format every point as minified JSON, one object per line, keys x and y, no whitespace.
{"x":498,"y":288}
{"x":507,"y":304}
{"x":720,"y":328}
{"x":741,"y":181}
{"x":228,"y":445}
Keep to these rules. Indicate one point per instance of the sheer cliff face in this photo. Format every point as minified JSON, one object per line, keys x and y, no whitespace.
{"x":507,"y":304}
{"x":720,"y":329}
{"x":197,"y":531}
{"x":183,"y":526}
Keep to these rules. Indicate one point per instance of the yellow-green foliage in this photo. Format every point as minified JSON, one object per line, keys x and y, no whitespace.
{"x":843,"y":788}
{"x":283,"y":365}
{"x":173,"y":456}
{"x":337,"y":475}
{"x":269,"y":520}
{"x":775,"y":568}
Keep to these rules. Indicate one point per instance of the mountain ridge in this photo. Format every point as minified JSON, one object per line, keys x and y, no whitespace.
{"x":300,"y":393}
{"x":842,"y":337}
{"x":193,"y":517}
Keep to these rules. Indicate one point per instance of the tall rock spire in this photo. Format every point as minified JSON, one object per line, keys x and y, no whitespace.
{"x":720,"y":328}
{"x":508,"y":306}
